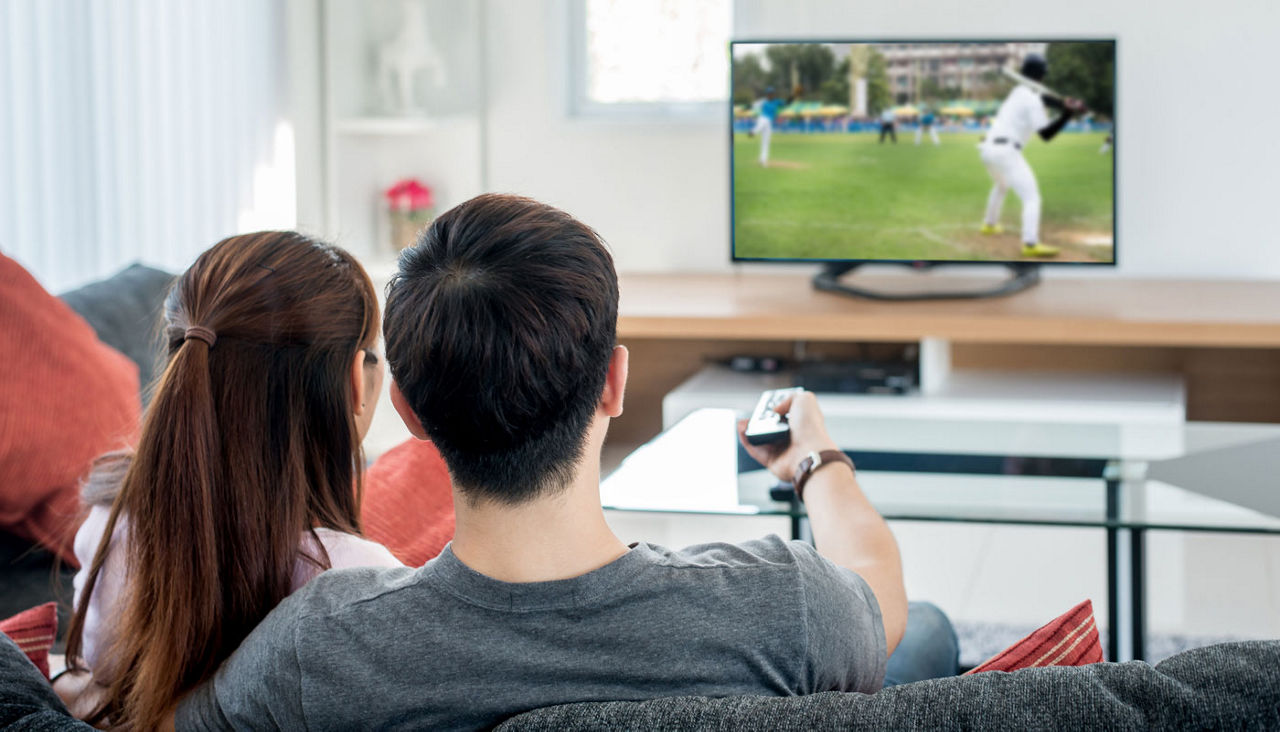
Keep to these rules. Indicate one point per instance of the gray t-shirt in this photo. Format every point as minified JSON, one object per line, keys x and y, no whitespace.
{"x":444,"y":647}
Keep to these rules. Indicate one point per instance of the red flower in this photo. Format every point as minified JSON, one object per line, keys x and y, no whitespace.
{"x":409,"y":194}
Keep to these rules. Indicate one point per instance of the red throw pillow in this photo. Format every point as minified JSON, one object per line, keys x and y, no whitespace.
{"x":34,"y":630}
{"x":408,"y":502}
{"x":1069,"y":640}
{"x":66,"y":398}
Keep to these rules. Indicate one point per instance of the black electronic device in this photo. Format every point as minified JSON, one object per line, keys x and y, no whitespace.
{"x":767,"y":427}
{"x":859,"y":377}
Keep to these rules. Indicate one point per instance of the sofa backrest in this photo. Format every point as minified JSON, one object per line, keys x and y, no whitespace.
{"x":1228,"y":686}
{"x":125,"y":310}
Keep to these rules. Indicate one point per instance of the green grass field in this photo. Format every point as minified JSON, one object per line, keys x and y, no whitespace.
{"x":844,"y":196}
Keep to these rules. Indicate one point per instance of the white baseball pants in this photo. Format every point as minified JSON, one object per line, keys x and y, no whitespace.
{"x":1008,"y":169}
{"x":764,"y":128}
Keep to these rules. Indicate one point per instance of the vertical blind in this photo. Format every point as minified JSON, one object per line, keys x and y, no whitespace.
{"x":138,"y":130}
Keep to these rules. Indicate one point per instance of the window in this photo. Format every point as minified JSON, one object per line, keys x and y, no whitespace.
{"x":658,"y":57}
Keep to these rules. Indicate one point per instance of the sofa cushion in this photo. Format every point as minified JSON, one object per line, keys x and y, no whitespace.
{"x":34,"y":630}
{"x":408,"y":502}
{"x":1070,"y":639}
{"x":124,"y":310}
{"x":1228,"y":686}
{"x":27,"y":702}
{"x":66,"y":398}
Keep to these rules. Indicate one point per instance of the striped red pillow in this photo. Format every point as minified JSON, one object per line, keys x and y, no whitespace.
{"x":1069,"y":640}
{"x":34,"y":630}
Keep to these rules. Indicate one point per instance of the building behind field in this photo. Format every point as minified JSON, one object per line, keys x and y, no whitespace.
{"x":924,"y":71}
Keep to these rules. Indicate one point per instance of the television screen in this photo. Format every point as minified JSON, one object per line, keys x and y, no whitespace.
{"x":924,"y":151}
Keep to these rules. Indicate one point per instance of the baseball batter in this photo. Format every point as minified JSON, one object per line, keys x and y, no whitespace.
{"x":767,"y":110}
{"x":1021,"y":115}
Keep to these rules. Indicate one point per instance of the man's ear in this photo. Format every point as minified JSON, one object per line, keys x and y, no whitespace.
{"x":615,"y":382}
{"x":406,"y":413}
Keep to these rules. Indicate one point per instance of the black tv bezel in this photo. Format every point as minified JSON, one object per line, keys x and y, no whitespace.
{"x":927,"y":263}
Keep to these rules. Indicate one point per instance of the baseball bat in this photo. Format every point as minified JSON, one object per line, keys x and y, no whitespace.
{"x":1036,"y":86}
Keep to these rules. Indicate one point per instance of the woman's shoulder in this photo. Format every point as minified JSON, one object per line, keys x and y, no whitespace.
{"x":349,"y":550}
{"x":90,"y":533}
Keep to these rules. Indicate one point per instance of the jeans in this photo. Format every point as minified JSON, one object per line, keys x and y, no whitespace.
{"x":929,"y":649}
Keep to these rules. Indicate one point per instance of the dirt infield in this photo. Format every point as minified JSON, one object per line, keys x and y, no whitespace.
{"x":787,"y":164}
{"x":1075,"y":246}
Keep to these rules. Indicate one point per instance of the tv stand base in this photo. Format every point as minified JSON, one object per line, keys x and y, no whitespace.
{"x":1022,"y":277}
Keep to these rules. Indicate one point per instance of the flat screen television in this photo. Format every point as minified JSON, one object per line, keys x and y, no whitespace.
{"x":924,"y":152}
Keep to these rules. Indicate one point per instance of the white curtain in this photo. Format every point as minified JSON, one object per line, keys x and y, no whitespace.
{"x":138,"y":130}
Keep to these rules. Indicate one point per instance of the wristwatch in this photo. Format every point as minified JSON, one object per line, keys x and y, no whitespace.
{"x":810,"y":465}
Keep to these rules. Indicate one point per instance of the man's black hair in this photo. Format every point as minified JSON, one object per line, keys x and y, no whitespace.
{"x":500,"y":325}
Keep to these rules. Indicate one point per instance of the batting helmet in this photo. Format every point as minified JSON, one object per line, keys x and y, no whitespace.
{"x":1035,"y":67}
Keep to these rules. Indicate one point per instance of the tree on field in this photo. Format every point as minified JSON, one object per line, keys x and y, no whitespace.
{"x":879,"y":97}
{"x":800,"y":68}
{"x":1086,"y":71}
{"x":749,"y":79}
{"x":836,"y":89}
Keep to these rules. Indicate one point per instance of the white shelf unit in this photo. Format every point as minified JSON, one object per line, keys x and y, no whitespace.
{"x":367,"y":148}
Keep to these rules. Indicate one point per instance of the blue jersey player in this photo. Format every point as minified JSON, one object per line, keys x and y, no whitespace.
{"x":767,"y":114}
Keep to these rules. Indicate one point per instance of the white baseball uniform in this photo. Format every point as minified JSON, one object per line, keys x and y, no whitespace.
{"x":767,"y":109}
{"x":764,"y":128}
{"x":1021,"y":115}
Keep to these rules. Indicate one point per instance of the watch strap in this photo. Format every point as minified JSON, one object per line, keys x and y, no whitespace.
{"x":811,"y":463}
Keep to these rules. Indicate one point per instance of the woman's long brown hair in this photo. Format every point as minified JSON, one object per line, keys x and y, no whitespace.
{"x":246,"y":447}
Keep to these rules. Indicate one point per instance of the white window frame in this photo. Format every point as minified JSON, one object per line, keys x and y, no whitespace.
{"x":583,"y":107}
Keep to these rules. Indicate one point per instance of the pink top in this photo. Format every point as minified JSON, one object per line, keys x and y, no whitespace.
{"x":345,"y":550}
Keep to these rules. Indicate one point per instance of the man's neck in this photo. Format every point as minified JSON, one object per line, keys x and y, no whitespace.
{"x":553,"y":537}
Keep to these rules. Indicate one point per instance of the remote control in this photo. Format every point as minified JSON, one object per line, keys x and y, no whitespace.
{"x":767,"y":426}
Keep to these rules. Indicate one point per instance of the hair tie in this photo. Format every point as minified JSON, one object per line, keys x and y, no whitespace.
{"x":201,"y":333}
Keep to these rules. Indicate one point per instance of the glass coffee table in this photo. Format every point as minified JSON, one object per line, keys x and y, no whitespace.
{"x":1126,"y":479}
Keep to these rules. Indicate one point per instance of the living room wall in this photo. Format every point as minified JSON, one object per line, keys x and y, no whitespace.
{"x":1196,"y":161}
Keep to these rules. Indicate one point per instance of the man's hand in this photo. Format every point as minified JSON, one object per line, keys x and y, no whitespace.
{"x":1074,"y":106}
{"x":808,"y":434}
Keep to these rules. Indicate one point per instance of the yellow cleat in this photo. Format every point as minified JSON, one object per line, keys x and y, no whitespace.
{"x":992,"y":229}
{"x":1039,"y":250}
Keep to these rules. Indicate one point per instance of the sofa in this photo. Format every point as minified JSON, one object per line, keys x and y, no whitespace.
{"x":1228,"y":686}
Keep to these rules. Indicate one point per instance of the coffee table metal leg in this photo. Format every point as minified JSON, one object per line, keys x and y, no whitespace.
{"x":1113,"y":572}
{"x":1138,"y":591}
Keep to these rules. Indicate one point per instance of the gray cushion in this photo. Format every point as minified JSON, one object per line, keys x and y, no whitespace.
{"x":1228,"y":686}
{"x":124,"y":310}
